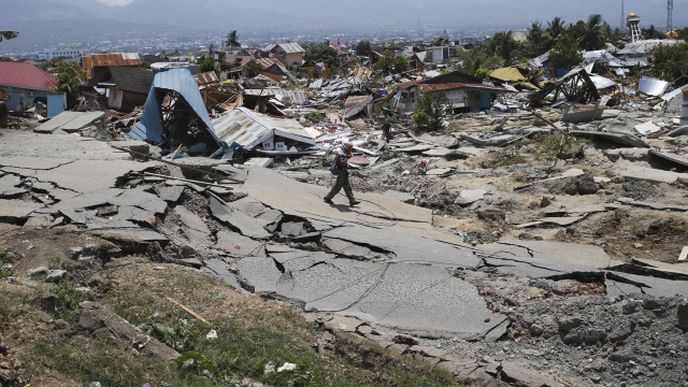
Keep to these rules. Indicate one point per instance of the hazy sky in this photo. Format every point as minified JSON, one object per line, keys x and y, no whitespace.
{"x":489,"y":11}
{"x":115,"y":2}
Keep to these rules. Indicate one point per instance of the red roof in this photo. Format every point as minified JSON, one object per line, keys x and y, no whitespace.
{"x":26,"y":75}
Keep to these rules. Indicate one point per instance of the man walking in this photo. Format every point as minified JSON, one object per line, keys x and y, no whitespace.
{"x":340,"y":168}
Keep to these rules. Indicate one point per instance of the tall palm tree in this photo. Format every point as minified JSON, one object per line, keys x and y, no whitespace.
{"x":555,"y":28}
{"x":7,"y":35}
{"x":594,"y":34}
{"x":232,"y":41}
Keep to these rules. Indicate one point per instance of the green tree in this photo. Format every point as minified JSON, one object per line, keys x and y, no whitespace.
{"x":652,"y":33}
{"x":670,"y":62}
{"x":323,"y":53}
{"x":364,"y":48}
{"x":538,"y":40}
{"x":70,"y":76}
{"x":479,"y":62}
{"x":593,"y":34}
{"x":252,"y":69}
{"x":231,"y":42}
{"x":207,"y":63}
{"x":392,"y":63}
{"x":430,"y":112}
{"x":503,"y":45}
{"x":565,"y":54}
{"x":555,"y":29}
{"x":682,"y":33}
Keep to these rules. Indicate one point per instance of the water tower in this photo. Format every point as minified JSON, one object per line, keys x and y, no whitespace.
{"x":633,"y":23}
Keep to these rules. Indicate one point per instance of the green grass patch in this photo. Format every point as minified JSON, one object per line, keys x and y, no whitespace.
{"x":250,"y":336}
{"x":505,"y":158}
{"x":558,"y":145}
{"x":315,"y":116}
{"x":109,"y":362}
{"x":68,"y":300}
{"x":6,"y":264}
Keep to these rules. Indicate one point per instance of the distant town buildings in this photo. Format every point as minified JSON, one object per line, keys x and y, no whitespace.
{"x":58,"y":53}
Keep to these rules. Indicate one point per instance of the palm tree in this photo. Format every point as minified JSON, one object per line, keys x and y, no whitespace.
{"x":7,"y":35}
{"x":555,"y":29}
{"x":232,"y":41}
{"x":594,"y":33}
{"x":537,"y":42}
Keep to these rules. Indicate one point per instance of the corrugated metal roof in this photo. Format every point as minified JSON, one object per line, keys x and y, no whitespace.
{"x":652,"y":86}
{"x":289,"y":48}
{"x":355,"y":105}
{"x":205,"y":79}
{"x":293,"y":96}
{"x":107,"y":60}
{"x":642,"y":47}
{"x":26,"y":75}
{"x":243,"y":128}
{"x":179,"y":80}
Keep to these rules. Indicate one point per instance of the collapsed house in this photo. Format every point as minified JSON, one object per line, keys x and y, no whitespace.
{"x":289,"y":54}
{"x":127,"y":87}
{"x":176,"y":117}
{"x":464,"y":93}
{"x":22,"y":85}
{"x":575,"y":87}
{"x":246,"y":130}
{"x":98,"y":65}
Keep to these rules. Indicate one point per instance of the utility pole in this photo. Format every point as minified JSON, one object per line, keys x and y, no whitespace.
{"x":623,"y":16}
{"x":670,"y":15}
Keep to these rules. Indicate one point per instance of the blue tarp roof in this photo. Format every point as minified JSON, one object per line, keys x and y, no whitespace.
{"x":179,"y":80}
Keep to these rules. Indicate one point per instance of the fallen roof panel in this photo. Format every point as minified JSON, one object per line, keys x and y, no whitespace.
{"x":243,"y":128}
{"x":69,"y":121}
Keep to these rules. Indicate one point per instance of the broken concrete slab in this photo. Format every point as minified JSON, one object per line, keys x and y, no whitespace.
{"x":673,"y":161}
{"x":418,"y":299}
{"x":238,"y":245}
{"x":681,"y":131}
{"x":563,"y":221}
{"x":619,"y":138}
{"x":71,"y":122}
{"x":305,"y":200}
{"x":652,"y":205}
{"x":93,"y":316}
{"x":248,"y":225}
{"x":632,"y":171}
{"x":405,"y":246}
{"x":170,"y":193}
{"x":544,"y":259}
{"x":401,"y":196}
{"x":16,"y":211}
{"x":449,"y":154}
{"x":132,"y":238}
{"x":468,"y":197}
{"x":193,"y":227}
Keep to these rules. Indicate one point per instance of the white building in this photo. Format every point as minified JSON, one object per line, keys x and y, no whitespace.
{"x":55,"y":53}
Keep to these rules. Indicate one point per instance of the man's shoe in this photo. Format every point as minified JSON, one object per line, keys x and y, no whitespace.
{"x":328,"y":201}
{"x":353,"y":203}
